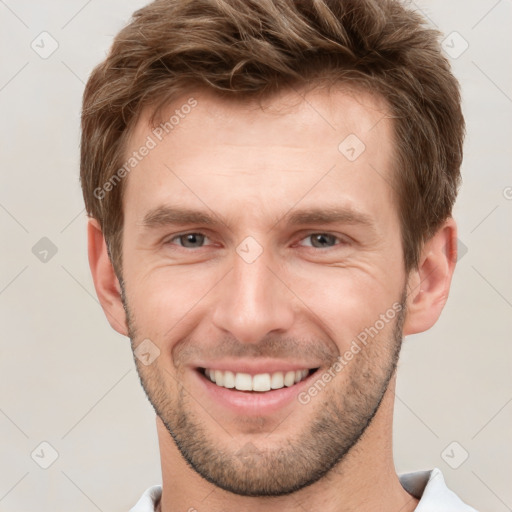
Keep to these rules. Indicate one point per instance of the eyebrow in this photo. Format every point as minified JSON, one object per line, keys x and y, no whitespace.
{"x":165,"y":215}
{"x":171,"y":215}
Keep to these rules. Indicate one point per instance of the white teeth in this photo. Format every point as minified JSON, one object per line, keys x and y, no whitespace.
{"x":243,"y":382}
{"x":289,"y":379}
{"x":229,"y":379}
{"x":260,"y":382}
{"x":219,"y":378}
{"x":277,"y":381}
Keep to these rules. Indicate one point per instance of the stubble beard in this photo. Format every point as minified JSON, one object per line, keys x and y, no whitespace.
{"x":341,"y":417}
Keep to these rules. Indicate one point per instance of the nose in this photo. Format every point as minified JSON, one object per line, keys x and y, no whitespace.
{"x":252,"y":301}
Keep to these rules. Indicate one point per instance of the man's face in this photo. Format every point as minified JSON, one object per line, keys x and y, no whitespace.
{"x":266,"y":285}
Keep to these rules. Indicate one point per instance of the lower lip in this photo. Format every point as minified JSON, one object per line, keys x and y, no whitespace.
{"x":254,"y":403}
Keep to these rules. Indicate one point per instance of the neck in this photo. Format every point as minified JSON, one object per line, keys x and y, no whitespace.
{"x":365,"y":480}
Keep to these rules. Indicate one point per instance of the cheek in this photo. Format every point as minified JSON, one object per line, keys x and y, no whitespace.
{"x":163,"y":297}
{"x":347,"y":300}
{"x":170,"y":301}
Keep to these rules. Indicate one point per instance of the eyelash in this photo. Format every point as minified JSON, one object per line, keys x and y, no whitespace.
{"x":337,"y":238}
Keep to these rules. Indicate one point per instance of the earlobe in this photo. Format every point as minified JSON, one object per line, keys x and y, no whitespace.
{"x":105,"y":280}
{"x":429,"y":285}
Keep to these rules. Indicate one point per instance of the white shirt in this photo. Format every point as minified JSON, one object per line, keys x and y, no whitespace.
{"x":428,"y":486}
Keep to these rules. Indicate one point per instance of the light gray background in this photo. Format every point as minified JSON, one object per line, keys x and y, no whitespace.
{"x":68,"y":379}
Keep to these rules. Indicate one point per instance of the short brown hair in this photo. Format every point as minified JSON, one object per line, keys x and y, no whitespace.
{"x":254,"y":48}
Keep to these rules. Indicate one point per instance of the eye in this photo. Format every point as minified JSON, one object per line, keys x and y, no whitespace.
{"x":189,"y":240}
{"x":322,"y":240}
{"x":194,"y":240}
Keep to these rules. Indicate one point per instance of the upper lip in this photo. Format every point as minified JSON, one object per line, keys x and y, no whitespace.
{"x":258,"y":366}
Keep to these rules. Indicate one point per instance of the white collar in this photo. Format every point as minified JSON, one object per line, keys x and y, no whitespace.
{"x":428,"y":486}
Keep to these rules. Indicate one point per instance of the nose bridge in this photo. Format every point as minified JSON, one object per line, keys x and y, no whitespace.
{"x":252,"y":300}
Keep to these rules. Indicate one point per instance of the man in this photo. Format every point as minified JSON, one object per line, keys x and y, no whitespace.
{"x":270,"y":186}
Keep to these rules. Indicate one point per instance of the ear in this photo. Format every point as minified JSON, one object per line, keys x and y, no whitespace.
{"x":105,"y":280}
{"x":428,"y":286}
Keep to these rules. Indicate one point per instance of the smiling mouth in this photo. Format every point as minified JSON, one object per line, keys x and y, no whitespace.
{"x":260,"y":383}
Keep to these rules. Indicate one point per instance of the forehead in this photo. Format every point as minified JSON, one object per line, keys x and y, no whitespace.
{"x":319,"y":142}
{"x":305,"y":112}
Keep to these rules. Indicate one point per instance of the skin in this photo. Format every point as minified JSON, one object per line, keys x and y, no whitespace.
{"x":251,"y":167}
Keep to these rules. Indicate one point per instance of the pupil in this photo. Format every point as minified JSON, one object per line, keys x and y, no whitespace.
{"x":193,"y":238}
{"x":321,"y":238}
